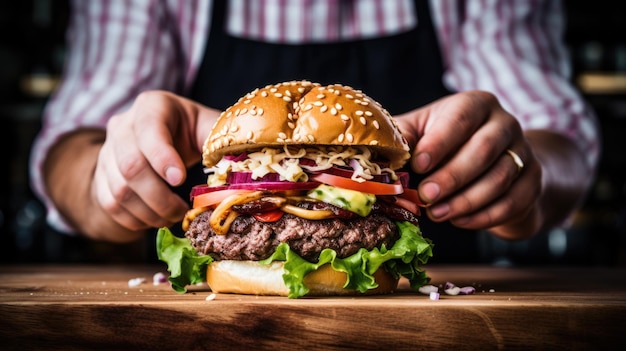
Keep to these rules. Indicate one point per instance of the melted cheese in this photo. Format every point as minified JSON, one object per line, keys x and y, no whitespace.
{"x":286,"y":163}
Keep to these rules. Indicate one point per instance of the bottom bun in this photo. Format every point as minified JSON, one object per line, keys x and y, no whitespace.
{"x":253,"y":278}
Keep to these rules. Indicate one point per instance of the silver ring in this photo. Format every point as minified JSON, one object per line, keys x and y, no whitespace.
{"x":518,"y":160}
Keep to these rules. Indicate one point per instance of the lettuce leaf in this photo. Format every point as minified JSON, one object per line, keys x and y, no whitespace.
{"x":183,"y":262}
{"x":403,"y":259}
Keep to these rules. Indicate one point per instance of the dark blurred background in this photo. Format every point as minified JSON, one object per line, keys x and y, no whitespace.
{"x":31,"y":56}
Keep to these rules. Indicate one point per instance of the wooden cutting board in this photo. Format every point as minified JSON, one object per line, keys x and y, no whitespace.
{"x":93,"y":307}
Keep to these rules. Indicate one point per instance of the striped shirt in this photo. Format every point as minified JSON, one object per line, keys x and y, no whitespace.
{"x":117,"y":49}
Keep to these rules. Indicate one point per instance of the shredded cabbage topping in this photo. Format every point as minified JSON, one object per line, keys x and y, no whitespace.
{"x":286,"y":163}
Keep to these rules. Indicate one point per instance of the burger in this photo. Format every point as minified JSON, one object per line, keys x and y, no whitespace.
{"x":303,"y":197}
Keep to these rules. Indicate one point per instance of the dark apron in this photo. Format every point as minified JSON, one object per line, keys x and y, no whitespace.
{"x":408,"y":63}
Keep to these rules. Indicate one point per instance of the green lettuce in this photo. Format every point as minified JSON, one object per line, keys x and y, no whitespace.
{"x":183,"y":262}
{"x":402,"y":259}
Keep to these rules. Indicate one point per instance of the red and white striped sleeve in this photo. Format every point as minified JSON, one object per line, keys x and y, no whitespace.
{"x":116,"y":50}
{"x":308,"y":21}
{"x":515,"y":50}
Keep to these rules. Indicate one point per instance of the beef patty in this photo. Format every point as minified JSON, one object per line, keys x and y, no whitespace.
{"x":249,"y":239}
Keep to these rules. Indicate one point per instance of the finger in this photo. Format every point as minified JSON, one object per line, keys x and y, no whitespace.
{"x":130,"y":180}
{"x":142,"y":191}
{"x":477,"y":156}
{"x":485,"y":190}
{"x":108,"y":202}
{"x":450,"y":123}
{"x":158,"y":123}
{"x":513,"y":205}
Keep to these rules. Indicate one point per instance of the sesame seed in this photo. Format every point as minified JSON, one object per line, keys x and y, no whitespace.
{"x":282,"y":135}
{"x":291,"y":125}
{"x":364,"y":103}
{"x":244,"y":111}
{"x":280,"y":140}
{"x":253,"y":112}
{"x":287,"y":92}
{"x":260,"y":111}
{"x":359,"y":113}
{"x":349,"y":137}
{"x":246,"y":101}
{"x":376,"y":125}
{"x":338,"y":106}
{"x":230,"y":113}
{"x":337,"y":92}
{"x":363,"y":121}
{"x":308,"y":107}
{"x":340,"y":137}
{"x":273,"y":90}
{"x":369,"y":113}
{"x":320,"y":96}
{"x":237,"y":112}
{"x":264,"y":93}
{"x":345,"y":117}
{"x":234,"y":128}
{"x":301,"y":90}
{"x":278,"y":95}
{"x":349,"y":96}
{"x":324,"y":108}
{"x":374,"y":142}
{"x":249,"y":135}
{"x":287,"y":98}
{"x":318,"y":103}
{"x":310,"y":137}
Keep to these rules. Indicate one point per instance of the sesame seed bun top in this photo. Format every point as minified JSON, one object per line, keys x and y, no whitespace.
{"x":305,"y":113}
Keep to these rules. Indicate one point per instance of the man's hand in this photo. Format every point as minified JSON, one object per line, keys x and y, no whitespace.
{"x":468,"y":146}
{"x":114,"y":185}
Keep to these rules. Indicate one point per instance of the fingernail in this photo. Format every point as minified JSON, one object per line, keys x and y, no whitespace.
{"x":440,"y":210}
{"x":173,"y":175}
{"x":431,"y":191}
{"x":422,"y":161}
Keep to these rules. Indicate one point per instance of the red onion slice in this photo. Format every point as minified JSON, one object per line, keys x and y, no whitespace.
{"x":246,"y":177}
{"x":275,"y":186}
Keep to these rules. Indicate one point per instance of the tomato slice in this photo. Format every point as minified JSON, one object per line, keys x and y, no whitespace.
{"x":412,"y":195}
{"x":269,"y":216}
{"x":370,"y":187}
{"x":215,"y":197}
{"x":203,"y":188}
{"x":408,"y":205}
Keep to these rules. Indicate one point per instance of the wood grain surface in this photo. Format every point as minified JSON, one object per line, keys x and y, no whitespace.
{"x":93,"y":307}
